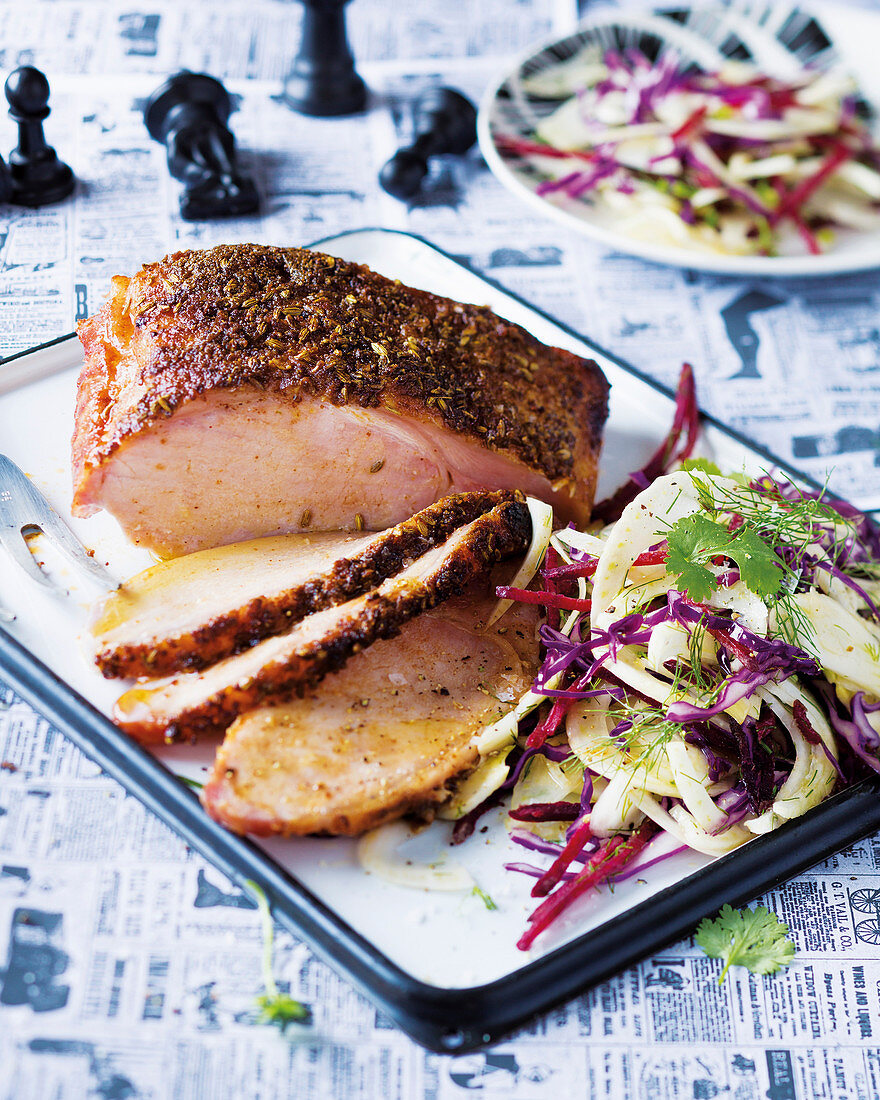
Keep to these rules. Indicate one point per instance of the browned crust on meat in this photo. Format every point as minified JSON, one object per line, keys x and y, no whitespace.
{"x":301,"y":322}
{"x":500,"y":533}
{"x":225,"y":804}
{"x":266,"y":616}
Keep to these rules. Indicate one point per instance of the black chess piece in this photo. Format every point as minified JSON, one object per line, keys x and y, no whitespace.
{"x":323,"y":80}
{"x":445,"y":123}
{"x":188,"y":115}
{"x":37,"y":176}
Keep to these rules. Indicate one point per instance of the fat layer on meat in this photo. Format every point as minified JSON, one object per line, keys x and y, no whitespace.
{"x":189,"y":612}
{"x":280,"y":667}
{"x":387,"y":735}
{"x":246,"y":390}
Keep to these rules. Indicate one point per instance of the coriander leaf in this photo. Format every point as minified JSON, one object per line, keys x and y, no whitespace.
{"x":701,"y":464}
{"x":753,"y":938}
{"x":690,"y":542}
{"x":759,"y":567}
{"x":276,"y":1007}
{"x":696,"y":540}
{"x":282,"y":1010}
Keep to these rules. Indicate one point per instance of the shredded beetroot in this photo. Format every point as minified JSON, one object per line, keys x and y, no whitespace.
{"x":559,"y":866}
{"x":551,"y":558}
{"x":571,"y":569}
{"x":555,"y":715}
{"x":804,"y":724}
{"x":793,"y":202}
{"x":676,"y":447}
{"x":546,"y":811}
{"x":545,"y":599}
{"x":651,"y":557}
{"x":690,"y":124}
{"x":616,"y":853}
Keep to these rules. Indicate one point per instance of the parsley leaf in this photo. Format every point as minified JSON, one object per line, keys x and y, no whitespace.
{"x":696,"y":540}
{"x":753,"y":938}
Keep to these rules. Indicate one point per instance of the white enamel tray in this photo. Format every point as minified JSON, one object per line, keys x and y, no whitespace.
{"x":413,"y":951}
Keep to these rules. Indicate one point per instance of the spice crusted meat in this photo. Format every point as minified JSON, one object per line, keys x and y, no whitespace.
{"x":192,"y":611}
{"x":389,"y":734}
{"x":247,"y":390}
{"x":281,"y":667}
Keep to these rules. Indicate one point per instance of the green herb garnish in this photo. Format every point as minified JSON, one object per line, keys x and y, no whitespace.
{"x":696,"y":540}
{"x":484,"y":898}
{"x":276,"y":1008}
{"x":753,"y":938}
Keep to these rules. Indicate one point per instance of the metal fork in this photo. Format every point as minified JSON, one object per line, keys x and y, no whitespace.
{"x":24,"y":510}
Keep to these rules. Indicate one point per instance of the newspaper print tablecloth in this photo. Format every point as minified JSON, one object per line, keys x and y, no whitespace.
{"x":128,"y":966}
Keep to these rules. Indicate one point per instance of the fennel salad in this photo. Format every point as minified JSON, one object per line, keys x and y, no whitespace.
{"x":711,"y":671}
{"x":733,"y":162}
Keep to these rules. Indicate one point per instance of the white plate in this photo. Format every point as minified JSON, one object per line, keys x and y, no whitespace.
{"x":786,"y":38}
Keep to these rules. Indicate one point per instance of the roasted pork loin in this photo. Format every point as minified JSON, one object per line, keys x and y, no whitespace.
{"x":280,"y":667}
{"x":385,"y":736}
{"x":192,"y":611}
{"x":246,"y":390}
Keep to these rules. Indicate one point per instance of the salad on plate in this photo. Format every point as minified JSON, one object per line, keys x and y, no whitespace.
{"x":733,"y":162}
{"x":711,"y":671}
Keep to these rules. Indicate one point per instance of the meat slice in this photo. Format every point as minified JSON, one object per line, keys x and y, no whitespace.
{"x":281,"y":667}
{"x":386,"y":735}
{"x":246,"y":390}
{"x":189,"y":612}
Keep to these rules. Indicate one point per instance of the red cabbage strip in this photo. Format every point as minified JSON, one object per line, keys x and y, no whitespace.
{"x":676,"y":447}
{"x":466,"y":825}
{"x":573,"y":847}
{"x":535,"y":843}
{"x":546,"y":811}
{"x":856,"y":730}
{"x":545,"y":599}
{"x":552,"y":752}
{"x":611,"y":857}
{"x":636,"y":869}
{"x":535,"y":872}
{"x":847,"y":580}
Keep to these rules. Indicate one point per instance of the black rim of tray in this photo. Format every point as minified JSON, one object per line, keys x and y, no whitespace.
{"x":452,"y":1021}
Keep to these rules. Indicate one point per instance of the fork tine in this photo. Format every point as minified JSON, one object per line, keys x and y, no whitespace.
{"x":13,"y":541}
{"x":23,"y":505}
{"x":57,"y":530}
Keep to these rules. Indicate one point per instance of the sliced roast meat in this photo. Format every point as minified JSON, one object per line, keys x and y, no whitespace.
{"x":283,"y":666}
{"x":387,"y":735}
{"x":190,"y":612}
{"x":246,"y":390}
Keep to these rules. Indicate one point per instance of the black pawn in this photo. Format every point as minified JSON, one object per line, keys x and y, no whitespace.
{"x":445,"y":123}
{"x":38,"y":177}
{"x":188,"y":115}
{"x":323,"y":80}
